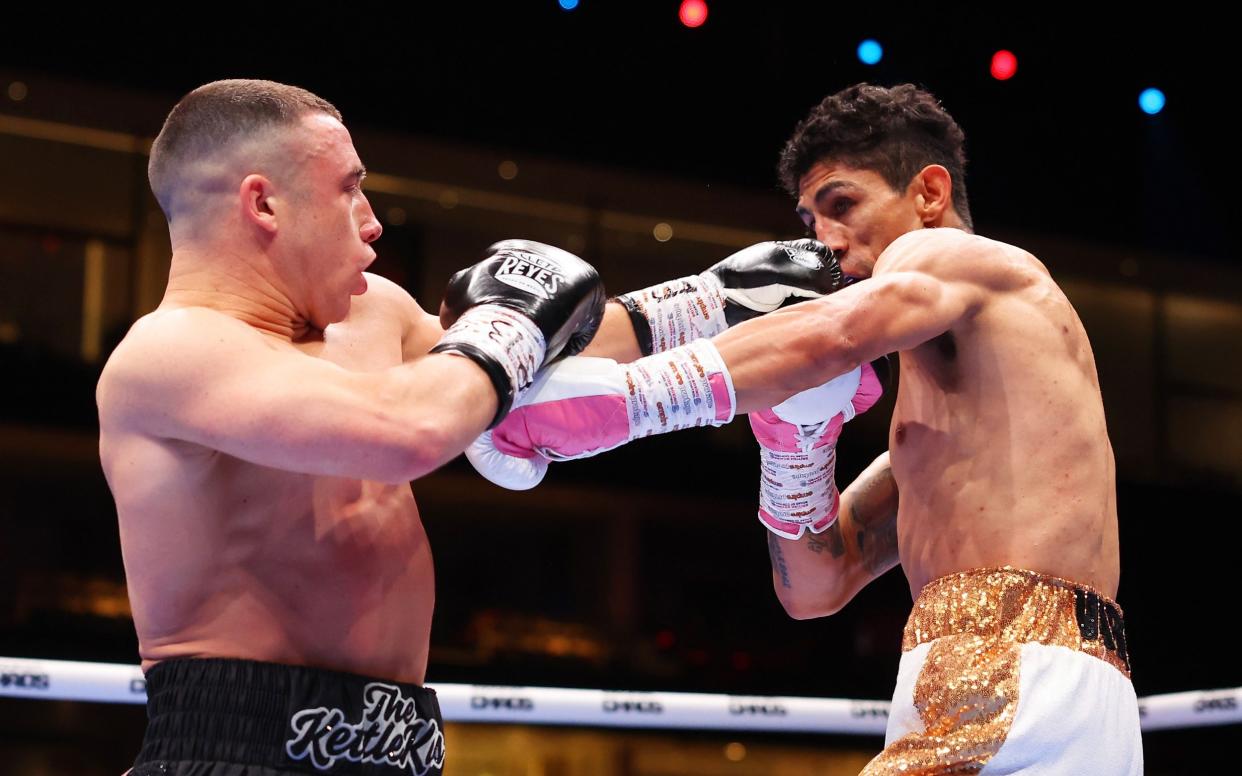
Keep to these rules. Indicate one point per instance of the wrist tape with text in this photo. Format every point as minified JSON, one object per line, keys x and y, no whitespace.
{"x":679,"y":388}
{"x":677,"y":312}
{"x":504,"y":334}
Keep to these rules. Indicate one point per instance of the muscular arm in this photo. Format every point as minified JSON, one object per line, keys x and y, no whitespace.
{"x":200,"y":377}
{"x":923,"y":285}
{"x":818,"y":574}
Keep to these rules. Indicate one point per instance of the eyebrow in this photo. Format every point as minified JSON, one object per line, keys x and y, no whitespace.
{"x":829,"y":188}
{"x":359,"y":173}
{"x":823,"y":193}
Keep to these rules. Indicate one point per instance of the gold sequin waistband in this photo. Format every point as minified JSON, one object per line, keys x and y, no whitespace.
{"x":1019,"y":607}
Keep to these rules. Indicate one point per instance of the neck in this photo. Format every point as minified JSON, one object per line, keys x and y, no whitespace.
{"x":241,"y":287}
{"x":949,"y":218}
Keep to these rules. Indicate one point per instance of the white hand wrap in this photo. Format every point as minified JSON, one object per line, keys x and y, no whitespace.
{"x":680,"y":311}
{"x":504,"y":334}
{"x":673,"y":390}
{"x":798,"y":459}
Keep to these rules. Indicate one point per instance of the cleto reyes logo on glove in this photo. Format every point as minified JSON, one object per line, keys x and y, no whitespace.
{"x":803,"y":258}
{"x":531,"y":273}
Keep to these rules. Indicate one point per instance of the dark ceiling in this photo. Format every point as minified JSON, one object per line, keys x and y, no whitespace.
{"x":1062,"y":146}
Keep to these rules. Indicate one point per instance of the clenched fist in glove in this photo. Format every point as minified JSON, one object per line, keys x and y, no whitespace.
{"x":798,"y":451}
{"x":520,"y":308}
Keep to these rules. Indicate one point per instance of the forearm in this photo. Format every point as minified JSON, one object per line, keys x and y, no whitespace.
{"x":790,"y":350}
{"x":818,"y":574}
{"x":802,"y":346}
{"x":808,"y":573}
{"x":443,"y":403}
{"x":392,"y":426}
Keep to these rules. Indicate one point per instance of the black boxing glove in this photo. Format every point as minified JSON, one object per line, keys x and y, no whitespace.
{"x":521,"y":307}
{"x":751,"y":282}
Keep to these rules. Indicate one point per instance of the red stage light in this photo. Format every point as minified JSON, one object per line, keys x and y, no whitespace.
{"x":692,"y":13}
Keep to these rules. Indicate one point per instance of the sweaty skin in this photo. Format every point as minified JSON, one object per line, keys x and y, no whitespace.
{"x":228,"y":557}
{"x":260,"y":428}
{"x":998,"y":444}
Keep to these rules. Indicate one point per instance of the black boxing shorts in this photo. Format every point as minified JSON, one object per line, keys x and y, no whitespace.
{"x":221,"y":717}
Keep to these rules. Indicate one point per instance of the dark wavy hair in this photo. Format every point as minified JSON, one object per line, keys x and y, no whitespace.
{"x":895,"y":132}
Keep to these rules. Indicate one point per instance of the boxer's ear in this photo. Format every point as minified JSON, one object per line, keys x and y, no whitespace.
{"x":258,"y":202}
{"x":932,"y":193}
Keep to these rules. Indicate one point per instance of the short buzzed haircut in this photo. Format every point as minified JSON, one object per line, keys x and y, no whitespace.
{"x":215,"y":117}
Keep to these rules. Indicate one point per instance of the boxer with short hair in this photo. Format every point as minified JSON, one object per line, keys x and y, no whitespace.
{"x":1014,"y":656}
{"x":259,"y":430}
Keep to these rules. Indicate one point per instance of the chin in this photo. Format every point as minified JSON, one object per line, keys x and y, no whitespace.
{"x":333,"y":316}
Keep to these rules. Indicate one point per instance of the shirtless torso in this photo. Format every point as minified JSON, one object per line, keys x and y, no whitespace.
{"x":225,"y":557}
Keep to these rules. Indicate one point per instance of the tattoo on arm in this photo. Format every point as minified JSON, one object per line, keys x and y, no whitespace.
{"x":878,"y":545}
{"x":778,"y":560}
{"x":833,"y":541}
{"x":873,"y":511}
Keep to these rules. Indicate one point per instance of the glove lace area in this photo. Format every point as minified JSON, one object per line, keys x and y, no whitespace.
{"x":800,"y":487}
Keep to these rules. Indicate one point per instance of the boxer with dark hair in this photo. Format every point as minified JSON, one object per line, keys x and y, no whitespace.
{"x":1014,"y":656}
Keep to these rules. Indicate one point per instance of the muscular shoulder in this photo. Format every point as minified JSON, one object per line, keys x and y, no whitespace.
{"x":419,"y":329}
{"x":164,"y":350}
{"x":383,"y":292}
{"x":162,"y":334}
{"x":953,"y":255}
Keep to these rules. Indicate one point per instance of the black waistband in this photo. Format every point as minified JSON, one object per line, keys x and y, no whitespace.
{"x":1100,"y":618}
{"x":293,"y":718}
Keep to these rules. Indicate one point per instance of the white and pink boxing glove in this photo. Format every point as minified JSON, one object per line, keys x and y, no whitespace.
{"x":798,"y":451}
{"x":582,"y":406}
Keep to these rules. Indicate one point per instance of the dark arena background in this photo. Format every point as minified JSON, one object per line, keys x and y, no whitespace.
{"x":649,"y":147}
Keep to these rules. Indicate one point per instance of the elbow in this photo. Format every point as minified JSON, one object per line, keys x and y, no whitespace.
{"x":423,"y":446}
{"x":808,"y":607}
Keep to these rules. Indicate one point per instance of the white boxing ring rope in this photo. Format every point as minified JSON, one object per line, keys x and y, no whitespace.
{"x":118,"y":683}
